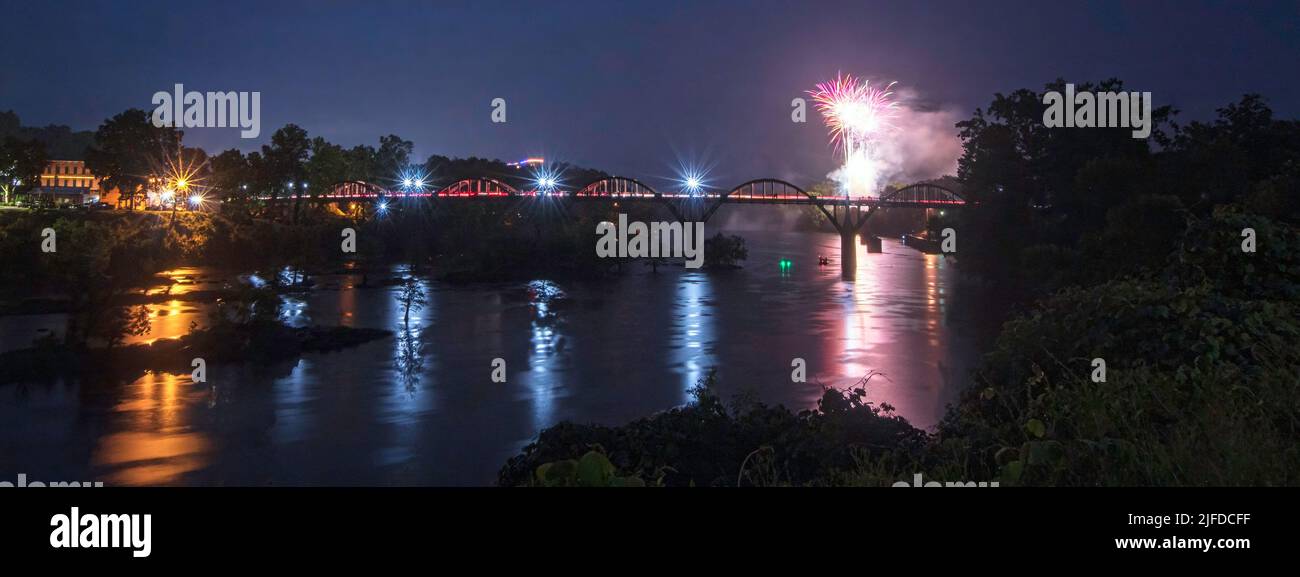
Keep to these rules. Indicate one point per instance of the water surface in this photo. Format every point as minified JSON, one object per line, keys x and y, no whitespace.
{"x":421,"y":408}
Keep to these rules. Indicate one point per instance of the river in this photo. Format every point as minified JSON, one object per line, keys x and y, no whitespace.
{"x":427,"y":412}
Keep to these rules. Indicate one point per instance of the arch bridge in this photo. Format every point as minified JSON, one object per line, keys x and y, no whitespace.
{"x":846,"y":214}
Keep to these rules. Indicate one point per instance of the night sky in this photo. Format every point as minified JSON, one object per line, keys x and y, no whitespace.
{"x":629,"y":87}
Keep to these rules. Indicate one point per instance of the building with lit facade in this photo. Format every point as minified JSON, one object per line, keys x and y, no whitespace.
{"x":67,"y":182}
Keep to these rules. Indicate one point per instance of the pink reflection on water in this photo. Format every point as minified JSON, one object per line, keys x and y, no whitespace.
{"x":891,"y":321}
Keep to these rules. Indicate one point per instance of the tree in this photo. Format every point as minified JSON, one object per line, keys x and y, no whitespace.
{"x":412,"y":297}
{"x":393,"y":156}
{"x":361,"y":164}
{"x":1043,"y":189}
{"x":21,"y":165}
{"x":328,"y":166}
{"x":286,"y":161}
{"x":724,"y":251}
{"x":1223,"y":161}
{"x":262,"y":178}
{"x":231,"y":177}
{"x":107,"y":263}
{"x":127,"y":152}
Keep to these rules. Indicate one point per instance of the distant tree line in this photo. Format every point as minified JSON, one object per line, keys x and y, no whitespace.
{"x":132,"y":155}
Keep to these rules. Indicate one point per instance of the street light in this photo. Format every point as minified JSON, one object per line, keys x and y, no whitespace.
{"x":547,"y":179}
{"x":411,"y":180}
{"x":692,"y":179}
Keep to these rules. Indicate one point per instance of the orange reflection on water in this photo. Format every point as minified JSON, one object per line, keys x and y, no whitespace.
{"x":157,"y":442}
{"x":178,"y":281}
{"x":347,"y":304}
{"x":169,"y":320}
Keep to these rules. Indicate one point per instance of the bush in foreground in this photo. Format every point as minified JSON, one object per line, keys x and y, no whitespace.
{"x":706,"y":444}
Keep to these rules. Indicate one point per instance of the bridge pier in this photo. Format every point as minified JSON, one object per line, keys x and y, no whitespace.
{"x":848,"y":253}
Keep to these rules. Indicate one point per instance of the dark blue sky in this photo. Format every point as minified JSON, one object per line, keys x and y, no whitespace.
{"x":630,"y":87}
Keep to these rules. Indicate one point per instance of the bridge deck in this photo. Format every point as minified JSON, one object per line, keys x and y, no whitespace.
{"x":616,"y":188}
{"x":729,"y":199}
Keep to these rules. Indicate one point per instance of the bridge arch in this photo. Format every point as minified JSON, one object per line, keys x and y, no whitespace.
{"x":770,"y":190}
{"x":477,"y":187}
{"x":617,"y":187}
{"x":767,"y":189}
{"x":923,"y":193}
{"x":351,"y":189}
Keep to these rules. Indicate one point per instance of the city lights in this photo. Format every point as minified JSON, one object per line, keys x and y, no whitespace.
{"x":527,"y":162}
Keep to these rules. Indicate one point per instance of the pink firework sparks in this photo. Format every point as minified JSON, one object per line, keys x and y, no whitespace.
{"x":854,"y":111}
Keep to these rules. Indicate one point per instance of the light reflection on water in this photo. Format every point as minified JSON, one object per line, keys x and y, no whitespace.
{"x":693,"y":330}
{"x":421,"y":407}
{"x":158,"y":444}
{"x":545,"y":345}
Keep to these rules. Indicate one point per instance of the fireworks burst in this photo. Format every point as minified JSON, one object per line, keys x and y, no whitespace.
{"x":858,"y":115}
